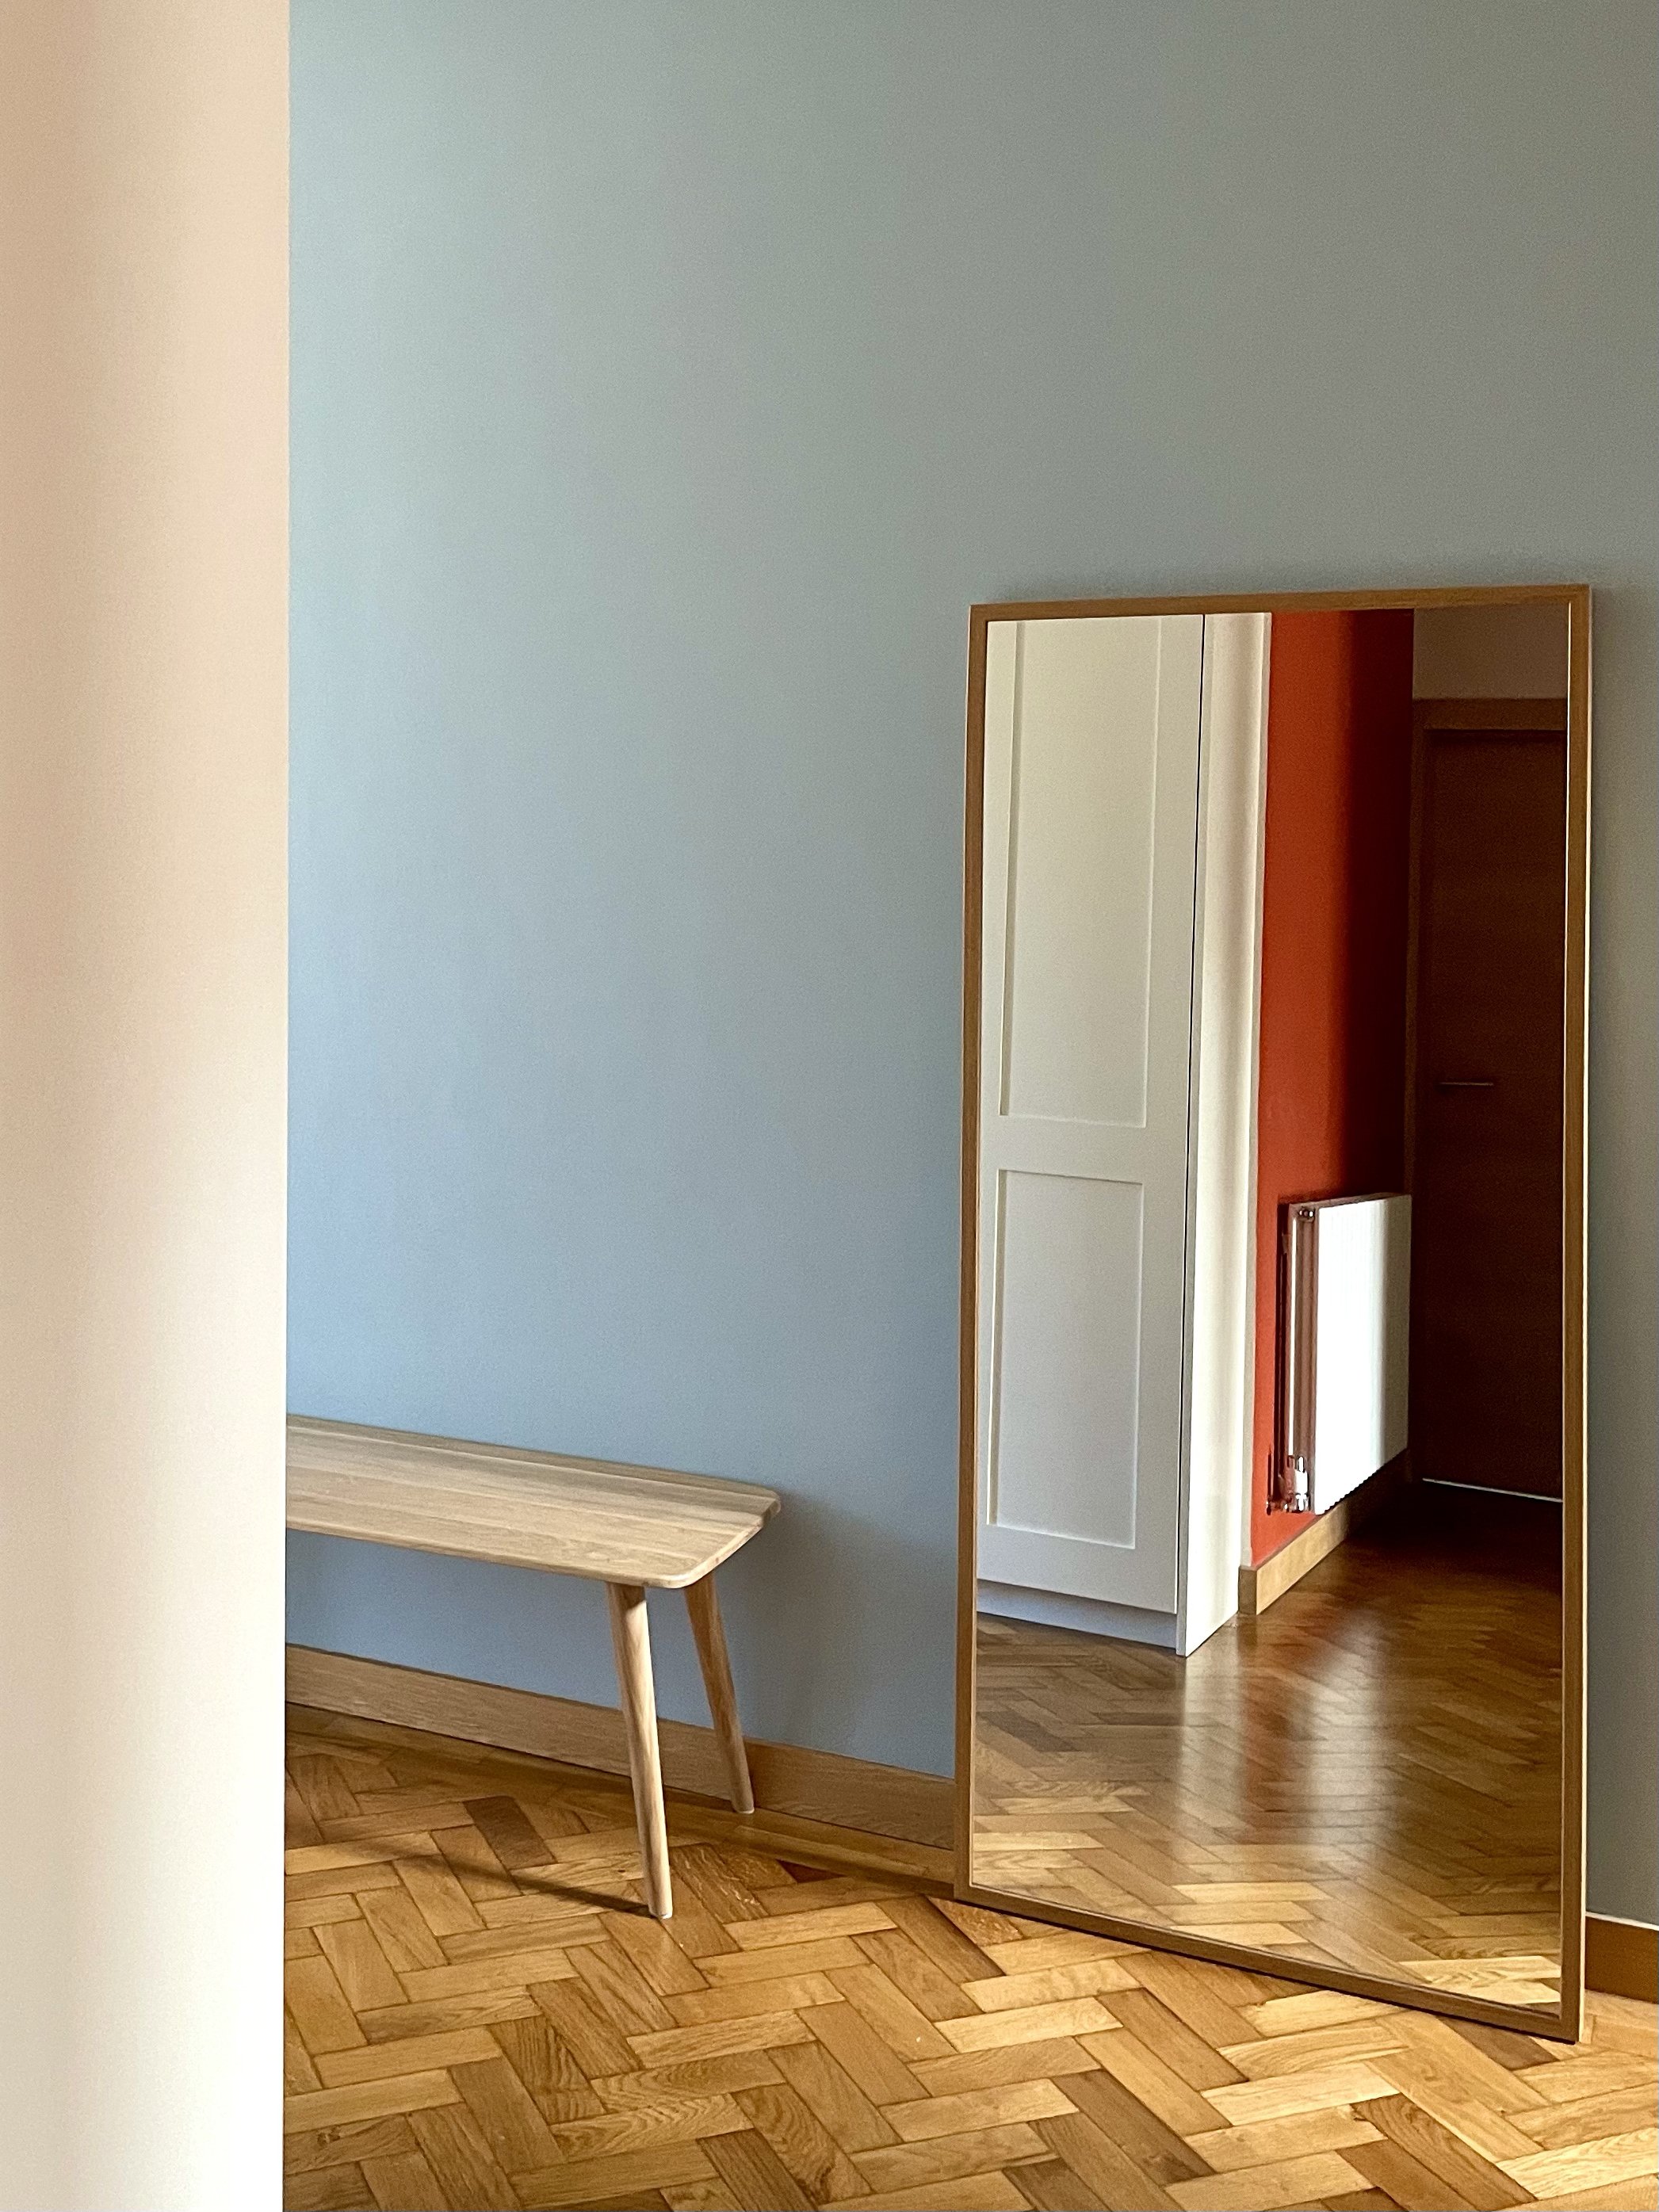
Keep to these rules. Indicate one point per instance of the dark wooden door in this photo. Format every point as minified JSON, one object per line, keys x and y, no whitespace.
{"x":1486,"y":1167}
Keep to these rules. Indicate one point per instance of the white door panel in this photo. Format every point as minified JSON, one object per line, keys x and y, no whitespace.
{"x":1081,"y":834}
{"x":1068,"y":1294}
{"x":1091,"y":818}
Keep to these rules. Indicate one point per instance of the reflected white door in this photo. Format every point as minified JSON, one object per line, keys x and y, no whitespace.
{"x":1091,"y":738}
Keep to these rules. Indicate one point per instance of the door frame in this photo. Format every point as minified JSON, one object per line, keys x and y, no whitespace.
{"x":1575,"y":600}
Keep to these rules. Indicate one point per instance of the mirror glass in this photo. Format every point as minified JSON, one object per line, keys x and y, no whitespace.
{"x":1267,"y":1177}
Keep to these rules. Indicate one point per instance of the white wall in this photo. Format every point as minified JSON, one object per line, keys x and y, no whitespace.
{"x":1226,"y":1063}
{"x":142,"y":674}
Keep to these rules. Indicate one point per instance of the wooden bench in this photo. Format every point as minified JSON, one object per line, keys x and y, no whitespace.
{"x":633,"y":1529}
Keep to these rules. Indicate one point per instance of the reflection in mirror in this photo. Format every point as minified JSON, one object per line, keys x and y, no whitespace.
{"x":1264,"y":1283}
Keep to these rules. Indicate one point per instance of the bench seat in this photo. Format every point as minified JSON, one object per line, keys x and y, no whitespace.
{"x":634,"y":1529}
{"x":610,"y":1522}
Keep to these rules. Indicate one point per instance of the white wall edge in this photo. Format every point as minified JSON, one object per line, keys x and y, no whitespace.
{"x":1220,"y":1347}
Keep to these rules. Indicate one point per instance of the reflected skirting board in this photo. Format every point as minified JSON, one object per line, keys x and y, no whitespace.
{"x":1260,"y":1586}
{"x":1619,"y":1955}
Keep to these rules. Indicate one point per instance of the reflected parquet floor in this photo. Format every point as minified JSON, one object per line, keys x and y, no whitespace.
{"x":1367,"y":1774}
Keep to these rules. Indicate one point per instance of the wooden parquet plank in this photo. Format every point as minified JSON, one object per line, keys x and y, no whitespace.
{"x":330,"y":2189}
{"x":1101,"y":2164}
{"x":1617,"y":2196}
{"x":692,"y":2077}
{"x":1028,"y":2023}
{"x":319,"y":2007}
{"x":1282,"y":2096}
{"x":909,"y":2034}
{"x":742,"y":1999}
{"x":1050,"y":2186}
{"x":497,"y":1970}
{"x":807,"y":2037}
{"x":754,"y":2175}
{"x":405,"y":2183}
{"x":1310,"y":2008}
{"x":986,"y":2192}
{"x":762,"y":2031}
{"x":1189,"y":1988}
{"x":1268,"y":2142}
{"x":364,"y":2100}
{"x":647,"y":2126}
{"x":621,"y":1991}
{"x":870,"y":2060}
{"x":1158,"y":2086}
{"x":359,"y":1965}
{"x":1476,"y":2181}
{"x":547,"y":2069}
{"x":549,"y":1927}
{"x":505,"y":2114}
{"x":466,"y":2166}
{"x":299,"y":2073}
{"x":438,"y":1898}
{"x":310,"y":2151}
{"x":380,"y":2062}
{"x":1048,"y":1985}
{"x":394,"y":2023}
{"x":1003,"y":2105}
{"x":660,"y":1961}
{"x":1390,"y":2166}
{"x":1171,"y":2042}
{"x":932,"y":1931}
{"x":1368,"y":2038}
{"x":402,"y":1931}
{"x":1609,"y":2159}
{"x":947,"y":2158}
{"x":842,"y":2107}
{"x":800,"y":2140}
{"x":583,"y":2181}
{"x":780,"y":1929}
{"x":1617,"y":2111}
{"x":936,"y":1994}
{"x":1053,"y":2059}
{"x":1596,"y":2074}
{"x":726,"y":1969}
{"x":1276,"y":2188}
{"x":1162,"y":2154}
{"x":595,"y":2046}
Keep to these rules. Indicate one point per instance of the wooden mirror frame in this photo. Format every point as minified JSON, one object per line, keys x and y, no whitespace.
{"x":1575,"y":600}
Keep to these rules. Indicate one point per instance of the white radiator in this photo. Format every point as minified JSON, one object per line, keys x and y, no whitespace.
{"x":1345,"y":1314}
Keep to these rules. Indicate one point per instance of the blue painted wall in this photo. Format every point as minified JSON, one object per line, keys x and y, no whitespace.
{"x":668,"y":379}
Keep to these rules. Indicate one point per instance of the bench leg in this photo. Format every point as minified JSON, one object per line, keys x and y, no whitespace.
{"x":631,"y":1638}
{"x":703,"y":1607}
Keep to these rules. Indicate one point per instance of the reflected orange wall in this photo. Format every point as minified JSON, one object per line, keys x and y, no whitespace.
{"x":1331,"y":1093}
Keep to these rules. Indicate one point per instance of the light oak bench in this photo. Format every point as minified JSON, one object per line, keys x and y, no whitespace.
{"x":633,"y":1529}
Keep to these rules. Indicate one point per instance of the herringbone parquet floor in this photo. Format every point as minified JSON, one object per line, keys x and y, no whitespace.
{"x":1368,"y":1774}
{"x":481,"y":2017}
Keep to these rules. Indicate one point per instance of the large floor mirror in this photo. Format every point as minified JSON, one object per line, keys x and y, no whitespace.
{"x":1272,"y":1581}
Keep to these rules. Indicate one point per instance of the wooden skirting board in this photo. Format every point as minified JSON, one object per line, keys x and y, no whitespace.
{"x":1259,"y":1586}
{"x":811,"y":1785}
{"x":1619,"y":1955}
